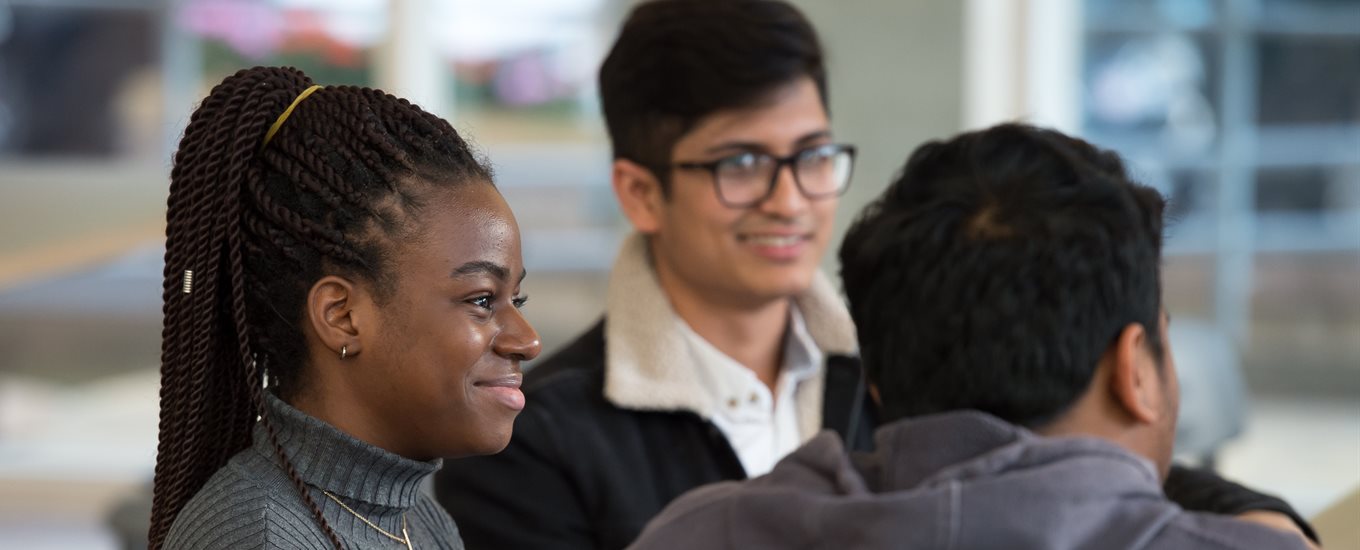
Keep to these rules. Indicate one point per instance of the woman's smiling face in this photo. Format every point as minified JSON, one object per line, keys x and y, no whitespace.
{"x":442,"y":370}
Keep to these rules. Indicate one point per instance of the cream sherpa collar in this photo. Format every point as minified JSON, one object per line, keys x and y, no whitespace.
{"x":647,"y":363}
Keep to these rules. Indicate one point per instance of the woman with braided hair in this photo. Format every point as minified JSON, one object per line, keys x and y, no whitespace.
{"x":341,"y":312}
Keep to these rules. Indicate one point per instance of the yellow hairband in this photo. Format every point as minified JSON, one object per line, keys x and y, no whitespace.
{"x":279,"y":123}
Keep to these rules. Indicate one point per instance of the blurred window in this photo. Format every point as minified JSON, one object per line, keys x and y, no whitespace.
{"x":520,"y":79}
{"x":74,"y":79}
{"x":331,"y":41}
{"x":1247,"y":116}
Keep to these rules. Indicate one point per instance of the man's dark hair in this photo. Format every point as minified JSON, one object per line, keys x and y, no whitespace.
{"x":995,"y":271}
{"x":677,"y":61}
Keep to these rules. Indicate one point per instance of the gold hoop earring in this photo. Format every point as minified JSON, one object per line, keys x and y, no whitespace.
{"x":344,"y":350}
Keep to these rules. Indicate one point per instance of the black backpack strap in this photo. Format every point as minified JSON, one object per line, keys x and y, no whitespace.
{"x":846,"y":407}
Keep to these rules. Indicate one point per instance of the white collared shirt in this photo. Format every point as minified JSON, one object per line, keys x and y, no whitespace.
{"x":761,"y":427}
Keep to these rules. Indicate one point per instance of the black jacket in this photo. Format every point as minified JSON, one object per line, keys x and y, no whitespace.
{"x":581,"y":473}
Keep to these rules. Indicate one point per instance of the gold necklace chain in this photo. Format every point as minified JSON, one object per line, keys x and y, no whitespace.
{"x":405,"y":537}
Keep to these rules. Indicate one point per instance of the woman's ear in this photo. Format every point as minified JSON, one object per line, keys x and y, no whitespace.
{"x":1134,"y":380}
{"x":639,"y":194}
{"x":331,"y":314}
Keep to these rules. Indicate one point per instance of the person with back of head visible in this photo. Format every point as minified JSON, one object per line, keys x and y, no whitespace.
{"x":341,"y":299}
{"x":723,"y":347}
{"x":1007,"y":296}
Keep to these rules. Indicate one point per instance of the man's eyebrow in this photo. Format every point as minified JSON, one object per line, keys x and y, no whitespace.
{"x":482,"y":266}
{"x":754,"y":146}
{"x":735,"y":146}
{"x":814,"y":136}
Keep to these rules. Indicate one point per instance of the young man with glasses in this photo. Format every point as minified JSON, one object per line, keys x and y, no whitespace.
{"x":723,"y":348}
{"x":1007,"y":293}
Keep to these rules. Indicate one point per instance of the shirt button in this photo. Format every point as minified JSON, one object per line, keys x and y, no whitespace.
{"x":732,"y":403}
{"x":754,"y":398}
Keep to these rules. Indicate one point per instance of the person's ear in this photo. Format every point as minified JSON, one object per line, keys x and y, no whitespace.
{"x":639,"y":194}
{"x":1135,"y":379}
{"x":331,"y":313}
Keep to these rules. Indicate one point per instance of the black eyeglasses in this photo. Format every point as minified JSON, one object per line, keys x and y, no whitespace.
{"x":747,"y":179}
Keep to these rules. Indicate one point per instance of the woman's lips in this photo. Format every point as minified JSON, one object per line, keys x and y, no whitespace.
{"x":505,"y":389}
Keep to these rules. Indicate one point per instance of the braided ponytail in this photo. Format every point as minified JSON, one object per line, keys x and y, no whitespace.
{"x":257,"y":226}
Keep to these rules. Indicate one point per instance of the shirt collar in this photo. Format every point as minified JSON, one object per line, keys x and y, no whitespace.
{"x":802,"y":357}
{"x":723,"y":379}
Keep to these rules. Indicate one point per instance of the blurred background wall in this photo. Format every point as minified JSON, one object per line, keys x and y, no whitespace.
{"x":1246,"y":113}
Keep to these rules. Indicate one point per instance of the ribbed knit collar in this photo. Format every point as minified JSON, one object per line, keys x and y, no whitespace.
{"x":329,"y":459}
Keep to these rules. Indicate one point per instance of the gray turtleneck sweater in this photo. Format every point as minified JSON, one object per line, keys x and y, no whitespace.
{"x":251,"y":503}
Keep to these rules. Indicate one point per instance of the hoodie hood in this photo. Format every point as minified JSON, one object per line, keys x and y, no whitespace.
{"x":950,"y":481}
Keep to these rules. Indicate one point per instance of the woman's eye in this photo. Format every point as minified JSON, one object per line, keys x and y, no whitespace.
{"x":519,"y":301}
{"x":483,"y":302}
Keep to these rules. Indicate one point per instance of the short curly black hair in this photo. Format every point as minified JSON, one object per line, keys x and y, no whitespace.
{"x":995,"y":271}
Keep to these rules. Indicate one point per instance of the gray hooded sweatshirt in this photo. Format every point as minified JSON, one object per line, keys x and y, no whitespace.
{"x":962,"y":480}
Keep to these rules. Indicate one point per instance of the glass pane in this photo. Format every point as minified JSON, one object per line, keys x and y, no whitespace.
{"x":1191,"y":218}
{"x":1187,"y":286}
{"x":78,"y":82}
{"x":1150,"y":14}
{"x":1165,"y":84}
{"x":332,"y":44}
{"x":1346,"y":6}
{"x":1305,"y":315}
{"x":1307,"y":189}
{"x":1342,"y":15}
{"x":1191,"y":194}
{"x":1308,"y":79}
{"x":524,"y":70}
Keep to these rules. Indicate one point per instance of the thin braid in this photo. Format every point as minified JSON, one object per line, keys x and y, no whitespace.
{"x":374,"y":151}
{"x":298,"y":165}
{"x":250,"y":139}
{"x":256,"y":394}
{"x":297,"y":481}
{"x":204,"y":421}
{"x":183,"y":209}
{"x":301,"y":228}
